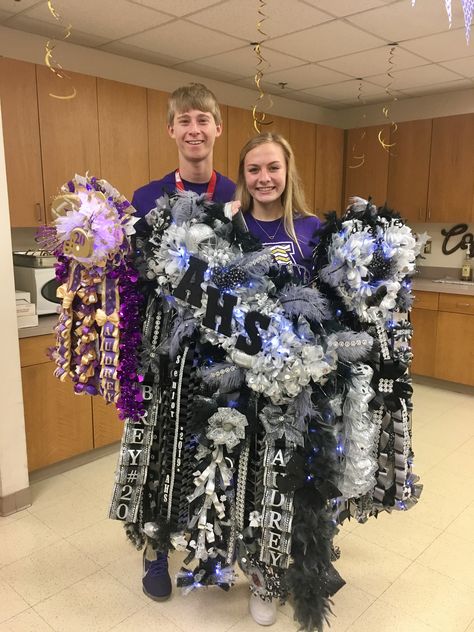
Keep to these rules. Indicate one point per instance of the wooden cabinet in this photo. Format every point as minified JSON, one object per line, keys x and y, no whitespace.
{"x":21,"y":137}
{"x":303,"y":142}
{"x":408,"y":169}
{"x":455,"y":346}
{"x":69,"y":130}
{"x":220,"y":147}
{"x":443,"y":338}
{"x":425,"y":325}
{"x":108,"y":428}
{"x":424,"y":318}
{"x":329,"y":169}
{"x":58,"y":423}
{"x":451,"y":182}
{"x":161,"y":147}
{"x":455,"y":339}
{"x":366,"y":164}
{"x":123,"y":133}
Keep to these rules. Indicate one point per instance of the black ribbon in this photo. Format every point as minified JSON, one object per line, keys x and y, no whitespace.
{"x":390,"y":370}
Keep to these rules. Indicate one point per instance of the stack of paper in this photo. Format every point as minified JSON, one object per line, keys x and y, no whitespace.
{"x":25,"y":310}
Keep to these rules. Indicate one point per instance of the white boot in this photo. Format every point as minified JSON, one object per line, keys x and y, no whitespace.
{"x":263,"y":612}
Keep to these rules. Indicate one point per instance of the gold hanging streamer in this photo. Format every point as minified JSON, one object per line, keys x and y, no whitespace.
{"x":49,"y":60}
{"x":360,"y":158}
{"x":259,"y":119}
{"x":386,"y":108}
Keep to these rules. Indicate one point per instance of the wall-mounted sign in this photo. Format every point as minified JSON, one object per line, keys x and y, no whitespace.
{"x":451,"y":233}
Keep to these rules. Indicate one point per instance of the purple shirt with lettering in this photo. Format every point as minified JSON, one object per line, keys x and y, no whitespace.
{"x":272,"y":234}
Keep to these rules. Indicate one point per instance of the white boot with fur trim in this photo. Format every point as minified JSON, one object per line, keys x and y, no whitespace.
{"x":263,"y":612}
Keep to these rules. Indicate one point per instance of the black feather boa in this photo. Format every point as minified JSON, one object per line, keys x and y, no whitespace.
{"x":311,"y":579}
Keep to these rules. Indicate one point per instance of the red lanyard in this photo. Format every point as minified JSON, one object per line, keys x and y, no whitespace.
{"x":211,"y":187}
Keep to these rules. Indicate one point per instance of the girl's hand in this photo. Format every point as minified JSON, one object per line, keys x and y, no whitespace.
{"x":231,"y":208}
{"x":235,"y":207}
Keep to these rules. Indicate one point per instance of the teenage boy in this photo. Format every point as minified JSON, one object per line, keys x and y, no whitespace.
{"x":194,"y":121}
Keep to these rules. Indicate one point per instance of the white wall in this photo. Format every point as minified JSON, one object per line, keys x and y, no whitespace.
{"x":436,"y":257}
{"x":13,"y":462}
{"x":432,"y":106}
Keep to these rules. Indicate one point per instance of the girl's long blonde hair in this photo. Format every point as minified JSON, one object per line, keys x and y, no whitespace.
{"x":292,"y":198}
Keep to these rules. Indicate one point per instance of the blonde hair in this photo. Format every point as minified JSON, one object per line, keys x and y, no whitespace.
{"x":194,"y":96}
{"x":292,"y":198}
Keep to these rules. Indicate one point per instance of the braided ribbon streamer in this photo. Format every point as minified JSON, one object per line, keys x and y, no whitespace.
{"x":205,"y":483}
{"x":63,"y":329}
{"x":85,"y":333}
{"x":108,"y":320}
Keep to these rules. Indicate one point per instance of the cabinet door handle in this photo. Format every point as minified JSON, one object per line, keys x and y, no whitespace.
{"x":463,"y":304}
{"x":429,"y":213}
{"x":39,"y":211}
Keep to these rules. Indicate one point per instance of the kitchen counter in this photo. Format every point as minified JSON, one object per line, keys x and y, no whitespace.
{"x":430,"y":285}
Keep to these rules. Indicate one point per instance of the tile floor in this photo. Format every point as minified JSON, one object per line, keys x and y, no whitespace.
{"x":65,"y":567}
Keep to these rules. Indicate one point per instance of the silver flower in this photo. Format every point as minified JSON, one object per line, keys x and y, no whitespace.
{"x":227,"y":427}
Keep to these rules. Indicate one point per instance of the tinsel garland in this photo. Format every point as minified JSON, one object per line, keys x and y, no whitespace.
{"x":130,"y":400}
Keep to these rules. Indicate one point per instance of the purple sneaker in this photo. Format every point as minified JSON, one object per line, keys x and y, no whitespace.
{"x":156,"y":578}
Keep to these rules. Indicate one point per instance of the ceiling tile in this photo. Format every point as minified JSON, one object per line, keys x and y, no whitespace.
{"x":304,"y":97}
{"x":441,"y":88}
{"x":268,"y":88}
{"x":325,"y":41}
{"x":400,"y":21}
{"x":282,"y":17}
{"x":441,"y":47}
{"x":16,"y":7}
{"x":463,"y":66}
{"x":134,"y":52}
{"x":206,"y":71}
{"x":177,"y":7}
{"x":184,"y":40}
{"x":372,"y":62}
{"x":414,"y":77}
{"x":342,"y":8}
{"x":305,"y":76}
{"x":379,"y":97}
{"x":244,"y":60}
{"x":345,"y":90}
{"x":111,"y":19}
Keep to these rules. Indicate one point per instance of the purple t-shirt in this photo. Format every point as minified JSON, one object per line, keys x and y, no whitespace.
{"x":145,"y":197}
{"x":272,"y":234}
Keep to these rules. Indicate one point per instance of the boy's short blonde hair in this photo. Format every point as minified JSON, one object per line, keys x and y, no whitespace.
{"x":194,"y":96}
